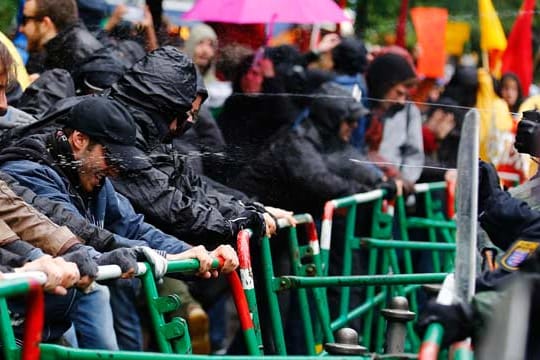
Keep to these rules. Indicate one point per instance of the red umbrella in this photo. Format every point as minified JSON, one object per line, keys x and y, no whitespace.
{"x":266,"y":11}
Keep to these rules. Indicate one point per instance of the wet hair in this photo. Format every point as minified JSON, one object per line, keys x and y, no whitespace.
{"x":7,"y":65}
{"x":63,"y":13}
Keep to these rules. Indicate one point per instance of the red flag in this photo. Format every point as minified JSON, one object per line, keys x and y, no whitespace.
{"x":401,"y":23}
{"x":518,"y":56}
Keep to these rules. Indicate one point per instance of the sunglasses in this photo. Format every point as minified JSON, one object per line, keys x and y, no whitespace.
{"x":26,"y":18}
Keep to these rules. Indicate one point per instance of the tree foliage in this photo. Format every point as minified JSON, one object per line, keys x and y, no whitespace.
{"x":377,"y":19}
{"x":8,"y":9}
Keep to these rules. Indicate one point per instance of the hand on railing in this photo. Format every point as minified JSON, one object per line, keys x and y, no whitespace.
{"x":59,"y":275}
{"x":207,"y":259}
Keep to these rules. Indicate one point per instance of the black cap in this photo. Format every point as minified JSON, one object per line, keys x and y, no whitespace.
{"x":109,"y":123}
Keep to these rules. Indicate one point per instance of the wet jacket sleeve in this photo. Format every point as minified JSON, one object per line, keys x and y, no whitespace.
{"x":309,"y":171}
{"x":122,"y":219}
{"x":505,"y":219}
{"x":171,"y":210}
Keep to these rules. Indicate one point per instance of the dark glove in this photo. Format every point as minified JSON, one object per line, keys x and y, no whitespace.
{"x":528,"y":134}
{"x":82,"y":256}
{"x":456,"y":319}
{"x":390,"y":187}
{"x":126,"y":258}
{"x":249,"y":220}
{"x":488,"y":183}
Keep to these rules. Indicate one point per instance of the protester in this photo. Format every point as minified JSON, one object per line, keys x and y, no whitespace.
{"x":350,"y":62}
{"x":20,"y":221}
{"x":95,"y":124}
{"x":309,"y":162}
{"x":394,"y":133}
{"x":199,"y":211}
{"x":441,"y":134}
{"x":256,"y":90}
{"x":510,"y":90}
{"x":52,"y":26}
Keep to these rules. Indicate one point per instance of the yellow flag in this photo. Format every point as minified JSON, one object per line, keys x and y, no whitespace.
{"x":491,"y":32}
{"x":457,"y":34}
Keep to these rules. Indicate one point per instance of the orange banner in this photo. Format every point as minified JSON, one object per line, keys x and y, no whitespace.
{"x":430,"y":26}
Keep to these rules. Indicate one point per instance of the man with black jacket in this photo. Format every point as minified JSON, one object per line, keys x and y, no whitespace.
{"x":170,"y":194}
{"x":53,"y":26}
{"x":71,"y":167}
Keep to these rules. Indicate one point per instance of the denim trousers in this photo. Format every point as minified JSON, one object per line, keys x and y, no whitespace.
{"x":93,"y":320}
{"x":127,"y":322}
{"x":58,"y":310}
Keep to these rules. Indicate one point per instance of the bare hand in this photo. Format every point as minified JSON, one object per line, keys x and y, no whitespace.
{"x":267,"y":68}
{"x":115,"y":17}
{"x":229,"y":256}
{"x":148,"y":20}
{"x":200,"y":253}
{"x":60,"y":273}
{"x":282,"y":214}
{"x":271,"y":226}
{"x":328,"y":42}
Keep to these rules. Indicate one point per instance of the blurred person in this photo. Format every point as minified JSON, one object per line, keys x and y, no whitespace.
{"x":509,"y":89}
{"x":202,"y":47}
{"x":253,"y":113}
{"x":132,"y":38}
{"x":350,"y":62}
{"x":53,"y":26}
{"x":441,"y":133}
{"x":394,"y":133}
{"x":310,"y":164}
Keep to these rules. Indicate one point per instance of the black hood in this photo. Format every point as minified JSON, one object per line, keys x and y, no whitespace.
{"x":164,"y":82}
{"x":98,"y":71}
{"x":386,"y":71}
{"x":51,"y":87}
{"x":332,"y":105}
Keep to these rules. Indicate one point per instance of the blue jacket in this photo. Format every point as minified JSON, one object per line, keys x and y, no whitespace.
{"x":108,"y":210}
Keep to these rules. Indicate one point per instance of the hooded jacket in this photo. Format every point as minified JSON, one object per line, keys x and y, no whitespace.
{"x":169,"y":193}
{"x":70,"y":47}
{"x":307,"y":165}
{"x":162,"y":84}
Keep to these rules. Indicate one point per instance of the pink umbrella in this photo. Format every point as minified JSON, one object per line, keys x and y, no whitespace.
{"x":266,"y":11}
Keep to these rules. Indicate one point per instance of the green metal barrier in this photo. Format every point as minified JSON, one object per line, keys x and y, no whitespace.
{"x":383,"y":253}
{"x":434,"y":222}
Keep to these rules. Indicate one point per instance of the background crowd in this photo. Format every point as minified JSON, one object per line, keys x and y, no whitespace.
{"x":138,"y":144}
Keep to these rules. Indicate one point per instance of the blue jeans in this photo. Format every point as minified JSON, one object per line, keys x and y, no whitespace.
{"x":93,"y":320}
{"x":58,"y":310}
{"x":127,"y":323}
